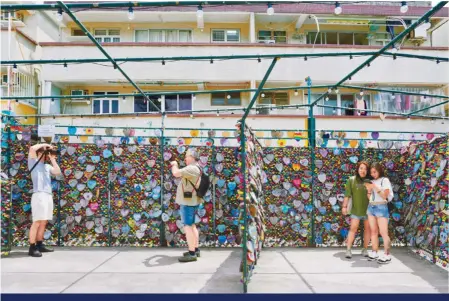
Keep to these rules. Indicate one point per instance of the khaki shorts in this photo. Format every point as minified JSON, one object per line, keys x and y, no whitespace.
{"x":42,"y":206}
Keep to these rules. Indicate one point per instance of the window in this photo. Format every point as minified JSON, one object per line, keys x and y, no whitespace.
{"x":274,"y":98}
{"x":106,"y":105}
{"x":141,"y":105}
{"x":333,"y":101}
{"x":107,"y":35}
{"x":221,"y":99}
{"x":163,"y":35}
{"x":280,"y":37}
{"x":178,"y":103}
{"x":225,"y":35}
{"x":338,"y":38}
{"x":77,"y":33}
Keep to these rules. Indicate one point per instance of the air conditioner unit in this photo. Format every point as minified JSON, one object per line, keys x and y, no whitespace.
{"x":78,"y":93}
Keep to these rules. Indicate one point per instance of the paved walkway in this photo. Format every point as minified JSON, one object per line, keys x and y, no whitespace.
{"x":127,"y":270}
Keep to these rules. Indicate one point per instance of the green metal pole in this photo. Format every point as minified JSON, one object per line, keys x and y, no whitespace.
{"x":312,"y":144}
{"x":163,"y":240}
{"x":109,"y":201}
{"x":216,"y":57}
{"x":259,"y":89}
{"x":114,"y":63}
{"x":399,"y":37}
{"x":59,"y":198}
{"x":245,"y":218}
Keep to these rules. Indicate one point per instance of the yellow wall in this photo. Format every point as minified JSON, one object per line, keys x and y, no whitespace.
{"x":20,"y":109}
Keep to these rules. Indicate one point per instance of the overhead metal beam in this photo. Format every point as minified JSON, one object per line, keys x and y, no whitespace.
{"x":399,"y":37}
{"x":259,"y":89}
{"x":219,"y":57}
{"x":93,"y":96}
{"x":96,"y":5}
{"x":114,"y":63}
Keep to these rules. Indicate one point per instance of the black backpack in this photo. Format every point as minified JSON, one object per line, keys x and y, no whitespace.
{"x":204,"y":184}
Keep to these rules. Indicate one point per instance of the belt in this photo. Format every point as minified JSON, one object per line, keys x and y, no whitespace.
{"x":377,"y":203}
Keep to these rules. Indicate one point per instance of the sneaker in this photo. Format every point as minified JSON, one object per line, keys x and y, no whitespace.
{"x":348,"y":254}
{"x":384,"y":258}
{"x":42,"y":248}
{"x":373,"y":256}
{"x":34,"y":252}
{"x":188,"y":258}
{"x":197,"y":253}
{"x":365,"y":253}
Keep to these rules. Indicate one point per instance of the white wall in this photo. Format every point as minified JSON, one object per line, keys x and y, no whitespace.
{"x":440,"y":37}
{"x":324,"y":70}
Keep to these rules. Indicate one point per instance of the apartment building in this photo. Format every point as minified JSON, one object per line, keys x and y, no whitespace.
{"x":287,"y":28}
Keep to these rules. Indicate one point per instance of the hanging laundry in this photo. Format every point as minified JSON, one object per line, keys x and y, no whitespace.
{"x":364,"y":113}
{"x":398,"y":103}
{"x":406,"y":103}
{"x":359,"y":104}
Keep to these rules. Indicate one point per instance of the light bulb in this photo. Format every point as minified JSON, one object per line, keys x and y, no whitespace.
{"x":191,"y":116}
{"x":218,"y":114}
{"x":296,"y":92}
{"x":408,"y":118}
{"x":263,"y":95}
{"x":228,"y":97}
{"x":130,"y":13}
{"x":159,"y":99}
{"x":14,"y":69}
{"x":88,"y":102}
{"x":123,"y":99}
{"x":193,"y":97}
{"x":404,"y":7}
{"x":52,"y":101}
{"x":338,"y":8}
{"x":426,"y":25}
{"x":394,"y":50}
{"x":336,"y":91}
{"x":59,"y":15}
{"x":432,"y":121}
{"x":200,"y":12}
{"x":327,"y":98}
{"x":270,"y":10}
{"x":361,"y":93}
{"x":329,"y":90}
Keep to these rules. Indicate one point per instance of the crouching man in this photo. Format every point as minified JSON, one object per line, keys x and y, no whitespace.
{"x":42,"y":199}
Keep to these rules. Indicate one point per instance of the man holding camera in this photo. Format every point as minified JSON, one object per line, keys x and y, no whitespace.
{"x":42,"y":199}
{"x":186,"y":197}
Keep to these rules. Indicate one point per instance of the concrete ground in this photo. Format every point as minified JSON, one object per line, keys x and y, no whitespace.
{"x":128,"y":270}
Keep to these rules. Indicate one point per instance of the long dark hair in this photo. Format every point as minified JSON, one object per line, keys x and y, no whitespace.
{"x":357,"y":175}
{"x":380,"y":169}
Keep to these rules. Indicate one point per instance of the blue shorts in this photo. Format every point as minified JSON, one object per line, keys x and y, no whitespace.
{"x":188,"y":214}
{"x":378,"y":210}
{"x":362,"y":218}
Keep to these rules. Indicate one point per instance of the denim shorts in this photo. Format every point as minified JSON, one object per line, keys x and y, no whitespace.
{"x":188,"y":214}
{"x":378,"y":210}
{"x":362,"y":218}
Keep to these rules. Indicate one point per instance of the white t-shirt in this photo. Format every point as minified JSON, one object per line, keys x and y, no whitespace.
{"x":383,"y":184}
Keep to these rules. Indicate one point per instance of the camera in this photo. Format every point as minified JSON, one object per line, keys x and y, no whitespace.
{"x":187,"y":195}
{"x":48,"y":151}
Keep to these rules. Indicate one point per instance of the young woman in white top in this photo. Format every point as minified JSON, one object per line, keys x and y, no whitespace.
{"x":380,"y":193}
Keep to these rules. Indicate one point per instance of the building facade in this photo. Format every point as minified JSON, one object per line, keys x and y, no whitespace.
{"x":175,"y":31}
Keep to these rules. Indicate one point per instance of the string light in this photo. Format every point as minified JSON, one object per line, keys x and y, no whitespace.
{"x":130,"y":13}
{"x":14,"y":69}
{"x":193,"y":97}
{"x":394,"y":50}
{"x":426,"y":25}
{"x":432,"y":121}
{"x":123,"y":99}
{"x":211,"y":61}
{"x":408,"y":118}
{"x":191,"y":115}
{"x":296,"y":93}
{"x":438,"y":61}
{"x":337,"y":91}
{"x":263,"y":95}
{"x":329,"y":90}
{"x":297,"y":108}
{"x":199,"y":12}
{"x":59,"y":15}
{"x":163,"y":62}
{"x":337,"y":9}
{"x":52,"y":101}
{"x":394,"y":56}
{"x":305,"y":58}
{"x":228,"y":96}
{"x":368,"y":65}
{"x":327,"y":98}
{"x":270,"y":9}
{"x":361,"y":92}
{"x":88,"y":102}
{"x":17,"y":101}
{"x":259,"y":60}
{"x":404,"y":7}
{"x":218,"y":113}
{"x":350,"y":56}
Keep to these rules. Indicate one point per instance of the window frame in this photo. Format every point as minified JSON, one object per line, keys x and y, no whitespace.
{"x":102,"y":96}
{"x":177,"y":104}
{"x":148,"y":103}
{"x":272,"y":36}
{"x":112,"y":37}
{"x":225,"y":100}
{"x":323,"y":37}
{"x":225,"y":36}
{"x":273,"y":97}
{"x":164,"y":34}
